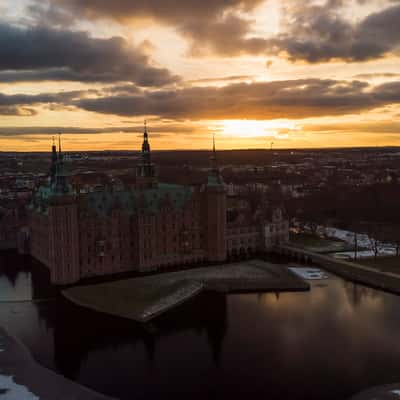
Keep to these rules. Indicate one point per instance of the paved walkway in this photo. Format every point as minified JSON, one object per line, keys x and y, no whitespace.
{"x":142,"y":299}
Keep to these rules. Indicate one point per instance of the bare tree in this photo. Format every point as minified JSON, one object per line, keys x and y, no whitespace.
{"x":355,"y":245}
{"x":391,"y":234}
{"x":374,"y":231}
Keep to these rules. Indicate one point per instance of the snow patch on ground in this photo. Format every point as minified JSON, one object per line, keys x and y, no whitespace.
{"x":309,"y":273}
{"x":9,"y":390}
{"x":396,"y":392}
{"x":363,"y":240}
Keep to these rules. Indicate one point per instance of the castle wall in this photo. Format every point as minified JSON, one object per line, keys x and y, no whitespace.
{"x":64,"y":242}
{"x":214,"y":217}
{"x":39,"y":237}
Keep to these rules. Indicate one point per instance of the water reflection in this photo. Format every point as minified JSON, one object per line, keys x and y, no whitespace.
{"x":78,"y":333}
{"x":22,"y":278}
{"x":324,"y":344}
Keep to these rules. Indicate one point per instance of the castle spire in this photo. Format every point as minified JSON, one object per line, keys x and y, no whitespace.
{"x":60,"y":178}
{"x":54,"y":160}
{"x":214,"y":143}
{"x":145,"y":168}
{"x":213,"y":157}
{"x":59,"y":146}
{"x":214,"y":177}
{"x":146,"y":144}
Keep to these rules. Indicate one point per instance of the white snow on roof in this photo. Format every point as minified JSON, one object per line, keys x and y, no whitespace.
{"x":12,"y":391}
{"x":396,"y":392}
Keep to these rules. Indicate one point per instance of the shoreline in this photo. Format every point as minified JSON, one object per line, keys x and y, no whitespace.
{"x":28,"y":380}
{"x":357,"y":273}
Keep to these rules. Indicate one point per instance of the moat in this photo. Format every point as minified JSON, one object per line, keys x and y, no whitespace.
{"x":328,"y":343}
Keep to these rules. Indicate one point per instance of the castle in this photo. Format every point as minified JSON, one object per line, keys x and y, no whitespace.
{"x":143,"y":228}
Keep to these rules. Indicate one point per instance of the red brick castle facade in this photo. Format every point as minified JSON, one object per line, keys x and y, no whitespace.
{"x":141,"y":228}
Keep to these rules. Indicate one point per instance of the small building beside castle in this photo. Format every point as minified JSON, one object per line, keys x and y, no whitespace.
{"x":141,"y":227}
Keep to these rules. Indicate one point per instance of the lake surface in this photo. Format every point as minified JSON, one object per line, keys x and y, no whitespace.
{"x":328,"y":343}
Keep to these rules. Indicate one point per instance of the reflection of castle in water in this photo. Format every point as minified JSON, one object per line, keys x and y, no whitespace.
{"x":357,"y":293}
{"x":13,"y":264}
{"x":78,"y":332}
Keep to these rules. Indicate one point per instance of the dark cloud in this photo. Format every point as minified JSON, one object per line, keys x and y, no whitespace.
{"x":260,"y":100}
{"x":210,"y":25}
{"x":158,"y":130}
{"x":42,"y":53}
{"x":171,"y":12}
{"x":311,"y":31}
{"x":50,"y":15}
{"x":226,"y":35}
{"x":17,"y":111}
{"x":319,"y":33}
{"x":20,"y":104}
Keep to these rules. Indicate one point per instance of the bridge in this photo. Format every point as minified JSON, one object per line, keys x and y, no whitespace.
{"x":349,"y":270}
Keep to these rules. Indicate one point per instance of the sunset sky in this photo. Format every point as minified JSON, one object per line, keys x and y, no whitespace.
{"x":293,"y":72}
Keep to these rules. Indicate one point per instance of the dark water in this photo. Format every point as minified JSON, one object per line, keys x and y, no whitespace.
{"x":325,"y":344}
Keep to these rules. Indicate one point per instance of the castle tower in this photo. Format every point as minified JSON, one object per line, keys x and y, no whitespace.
{"x":214,"y":212}
{"x":60,"y":184}
{"x":53,"y":166}
{"x":145,"y":170}
{"x":63,"y":229}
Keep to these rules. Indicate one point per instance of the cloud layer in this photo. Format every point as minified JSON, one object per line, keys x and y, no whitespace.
{"x":219,"y":26}
{"x":310,"y":30}
{"x":294,"y":99}
{"x":319,"y":33}
{"x":42,"y":53}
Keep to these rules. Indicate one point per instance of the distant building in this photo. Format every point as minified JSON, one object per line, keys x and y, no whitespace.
{"x":139,"y":227}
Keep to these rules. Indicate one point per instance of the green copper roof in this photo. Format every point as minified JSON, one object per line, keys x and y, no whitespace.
{"x":41,"y":197}
{"x":102,"y":203}
{"x":130,"y":201}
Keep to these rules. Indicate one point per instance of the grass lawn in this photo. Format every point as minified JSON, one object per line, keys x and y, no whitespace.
{"x":385,"y":264}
